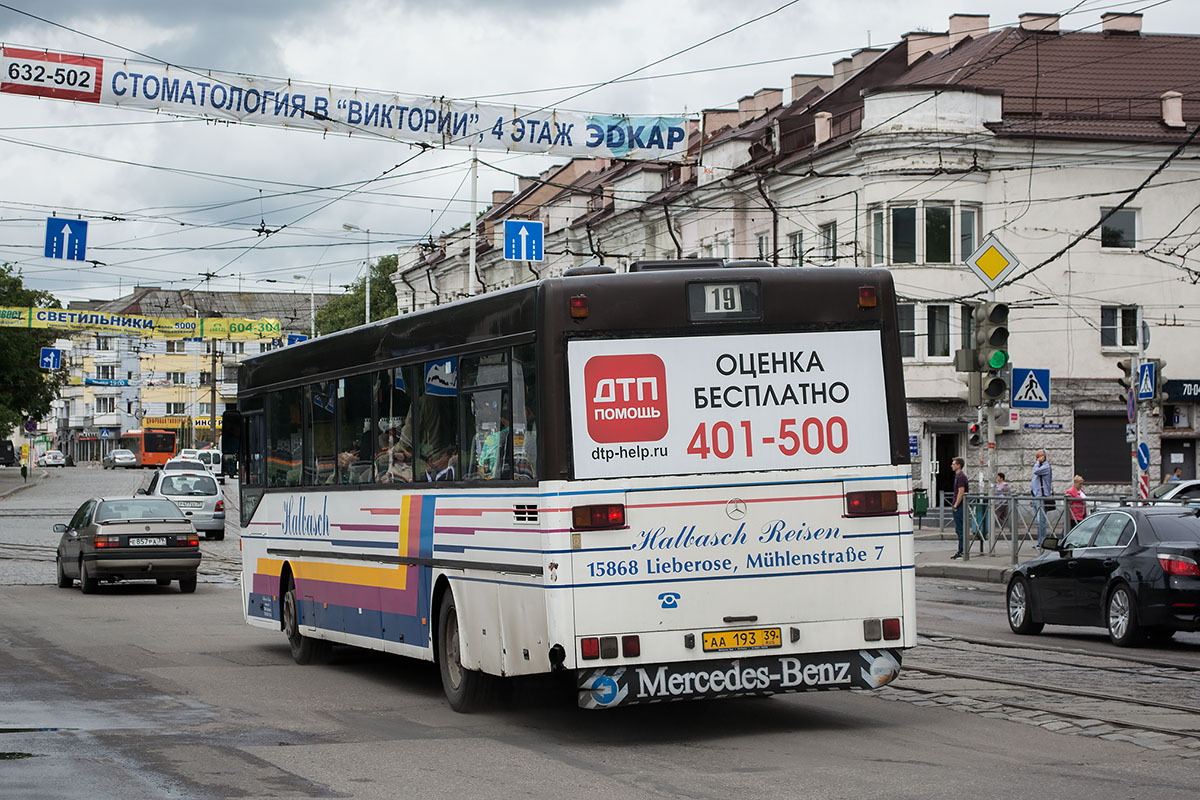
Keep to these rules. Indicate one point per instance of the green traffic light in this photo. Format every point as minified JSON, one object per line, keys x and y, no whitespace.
{"x":998,"y":359}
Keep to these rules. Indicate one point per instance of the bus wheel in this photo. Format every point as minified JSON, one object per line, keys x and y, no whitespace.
{"x":305,"y":649}
{"x":466,"y":689}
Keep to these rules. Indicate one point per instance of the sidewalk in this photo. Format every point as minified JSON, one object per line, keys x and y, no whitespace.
{"x":11,"y":483}
{"x":933,"y":548}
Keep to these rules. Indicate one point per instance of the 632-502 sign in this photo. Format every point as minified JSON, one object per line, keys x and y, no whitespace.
{"x":727,"y":403}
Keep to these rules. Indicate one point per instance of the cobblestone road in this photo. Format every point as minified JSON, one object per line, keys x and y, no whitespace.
{"x":28,"y":516}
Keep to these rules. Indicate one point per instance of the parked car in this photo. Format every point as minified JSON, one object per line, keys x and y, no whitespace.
{"x":197,"y":495}
{"x":127,"y":538}
{"x":177,"y":463}
{"x":1135,"y":571}
{"x":211,"y":459}
{"x":51,"y":458}
{"x":118,"y":458}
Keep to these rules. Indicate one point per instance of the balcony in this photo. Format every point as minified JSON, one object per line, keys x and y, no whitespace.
{"x":78,"y":421}
{"x":108,"y":420}
{"x":227,"y":389}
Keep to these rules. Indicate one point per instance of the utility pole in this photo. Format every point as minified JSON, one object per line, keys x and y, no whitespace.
{"x":1135,"y":387}
{"x":469,"y":283}
{"x":213,"y":396}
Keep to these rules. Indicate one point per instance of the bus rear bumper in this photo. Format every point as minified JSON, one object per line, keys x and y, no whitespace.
{"x":632,"y":684}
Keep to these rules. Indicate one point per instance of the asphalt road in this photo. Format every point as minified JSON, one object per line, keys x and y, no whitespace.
{"x":142,"y":692}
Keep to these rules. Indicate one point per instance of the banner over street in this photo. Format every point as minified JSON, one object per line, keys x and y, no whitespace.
{"x":291,"y":104}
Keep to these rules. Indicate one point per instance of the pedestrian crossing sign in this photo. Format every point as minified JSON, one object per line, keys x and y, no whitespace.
{"x":1030,"y":388}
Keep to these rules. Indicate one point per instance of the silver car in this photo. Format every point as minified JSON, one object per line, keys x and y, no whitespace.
{"x":119,"y":458}
{"x":197,"y":495}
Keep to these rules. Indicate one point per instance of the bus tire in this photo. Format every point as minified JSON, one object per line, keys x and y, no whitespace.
{"x":305,"y":649}
{"x":466,"y":690}
{"x":87,"y":583}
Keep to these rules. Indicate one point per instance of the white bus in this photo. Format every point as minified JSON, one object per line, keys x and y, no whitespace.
{"x":690,"y":480}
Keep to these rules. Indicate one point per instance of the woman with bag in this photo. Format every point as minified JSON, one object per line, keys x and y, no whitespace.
{"x":1041,"y":487}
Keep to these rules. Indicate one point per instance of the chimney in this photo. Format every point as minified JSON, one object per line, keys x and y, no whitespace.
{"x":755,"y":105}
{"x":1115,"y":22}
{"x":524,"y":182}
{"x":862,"y":58}
{"x":499,"y":196}
{"x":841,"y":70}
{"x":803,"y":84}
{"x":717,"y":118}
{"x":1172,"y":109}
{"x":1039,"y":23}
{"x":821,"y":125}
{"x":964,"y":26}
{"x":922,"y":42}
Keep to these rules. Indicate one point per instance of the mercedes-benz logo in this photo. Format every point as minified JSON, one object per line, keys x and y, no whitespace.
{"x":735,"y":509}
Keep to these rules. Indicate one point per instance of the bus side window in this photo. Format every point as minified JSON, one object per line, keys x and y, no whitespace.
{"x":283,"y":438}
{"x":320,"y":441}
{"x":356,"y":440}
{"x":434,"y":417}
{"x":487,"y":425}
{"x":524,"y":418}
{"x":393,"y":459}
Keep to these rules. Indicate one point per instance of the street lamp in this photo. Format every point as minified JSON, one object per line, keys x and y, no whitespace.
{"x":367,"y":231}
{"x":312,"y":307}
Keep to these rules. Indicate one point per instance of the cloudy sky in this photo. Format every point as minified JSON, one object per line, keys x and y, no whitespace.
{"x":170,"y":199}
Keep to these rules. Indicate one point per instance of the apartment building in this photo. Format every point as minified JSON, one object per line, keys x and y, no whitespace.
{"x":1075,"y":149}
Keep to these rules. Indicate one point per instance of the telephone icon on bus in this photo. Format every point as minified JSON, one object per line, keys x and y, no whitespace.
{"x":669,"y":599}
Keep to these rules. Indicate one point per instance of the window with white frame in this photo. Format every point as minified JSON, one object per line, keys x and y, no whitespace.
{"x":106,"y":405}
{"x":937,"y":331}
{"x":235,"y":347}
{"x":176,"y":409}
{"x":933,"y":232}
{"x":176,"y":346}
{"x":796,"y":248}
{"x":206,"y":409}
{"x":205,"y":378}
{"x":104,"y":343}
{"x":828,"y":234}
{"x":106,"y":372}
{"x":1118,"y":326}
{"x":906,"y":322}
{"x":967,"y":316}
{"x":1118,"y":228}
{"x":177,"y":377}
{"x":764,"y":246}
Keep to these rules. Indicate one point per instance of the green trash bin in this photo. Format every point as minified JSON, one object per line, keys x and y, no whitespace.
{"x":920,"y":502}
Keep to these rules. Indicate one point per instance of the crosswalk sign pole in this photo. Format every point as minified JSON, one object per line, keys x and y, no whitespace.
{"x":1137,"y":371}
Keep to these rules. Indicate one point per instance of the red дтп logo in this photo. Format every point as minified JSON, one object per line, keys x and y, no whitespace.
{"x":626,"y":398}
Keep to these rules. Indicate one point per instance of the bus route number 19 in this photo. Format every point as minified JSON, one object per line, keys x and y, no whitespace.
{"x":814,"y":435}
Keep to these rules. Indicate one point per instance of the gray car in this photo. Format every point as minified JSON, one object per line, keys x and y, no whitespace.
{"x":127,"y":538}
{"x":119,"y":458}
{"x":197,"y":495}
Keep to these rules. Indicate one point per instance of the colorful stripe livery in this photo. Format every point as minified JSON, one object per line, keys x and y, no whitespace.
{"x":385,"y":601}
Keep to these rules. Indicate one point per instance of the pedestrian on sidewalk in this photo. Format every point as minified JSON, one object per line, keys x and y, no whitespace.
{"x":960,"y":501}
{"x":1003,"y":493}
{"x":1041,"y":486}
{"x":1078,"y":505}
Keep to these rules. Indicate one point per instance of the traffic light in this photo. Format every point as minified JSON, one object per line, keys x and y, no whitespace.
{"x":991,"y":349}
{"x":1127,"y":379}
{"x":975,"y":434}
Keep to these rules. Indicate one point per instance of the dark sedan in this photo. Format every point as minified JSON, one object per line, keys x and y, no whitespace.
{"x":127,"y":538}
{"x":1135,"y":571}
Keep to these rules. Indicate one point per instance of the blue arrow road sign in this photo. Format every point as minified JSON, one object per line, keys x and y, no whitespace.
{"x":66,"y":238}
{"x":1146,"y":381}
{"x":1030,"y":388}
{"x":1143,"y":456}
{"x":522,"y":240}
{"x":51,"y":358}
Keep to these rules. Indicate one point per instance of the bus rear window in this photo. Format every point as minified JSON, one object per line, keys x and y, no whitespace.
{"x":160,"y":442}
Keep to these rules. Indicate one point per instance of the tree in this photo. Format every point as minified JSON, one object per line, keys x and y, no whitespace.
{"x":349,"y":310}
{"x":26,"y":390}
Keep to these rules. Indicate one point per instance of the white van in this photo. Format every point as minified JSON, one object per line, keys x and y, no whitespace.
{"x":211,"y":459}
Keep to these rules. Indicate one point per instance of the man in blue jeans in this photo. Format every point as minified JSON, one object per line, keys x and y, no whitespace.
{"x":960,"y":501}
{"x":1041,"y":486}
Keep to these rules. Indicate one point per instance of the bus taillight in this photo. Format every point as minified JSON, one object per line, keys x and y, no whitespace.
{"x":598,"y":518}
{"x":871,"y":503}
{"x":589,"y":648}
{"x":579,"y":306}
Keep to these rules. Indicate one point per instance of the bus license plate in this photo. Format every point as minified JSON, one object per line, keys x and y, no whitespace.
{"x":748,"y":639}
{"x":147,"y":541}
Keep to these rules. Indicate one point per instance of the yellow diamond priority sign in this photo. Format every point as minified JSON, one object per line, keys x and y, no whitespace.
{"x":992,"y":262}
